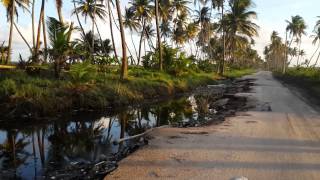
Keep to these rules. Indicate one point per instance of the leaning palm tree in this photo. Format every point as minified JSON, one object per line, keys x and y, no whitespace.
{"x":124,"y":64}
{"x":316,"y":40}
{"x":110,"y":15}
{"x":12,"y":12}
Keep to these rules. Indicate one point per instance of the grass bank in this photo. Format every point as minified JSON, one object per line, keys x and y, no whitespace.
{"x":305,"y":79}
{"x":41,"y":95}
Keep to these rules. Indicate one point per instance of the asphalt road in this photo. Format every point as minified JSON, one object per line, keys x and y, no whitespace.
{"x":279,"y":139}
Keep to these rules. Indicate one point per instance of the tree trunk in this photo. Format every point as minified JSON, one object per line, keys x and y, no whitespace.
{"x":313,"y":55}
{"x":23,"y":38}
{"x":134,"y":46}
{"x":39,"y":32}
{"x":221,"y":69}
{"x":141,"y":40}
{"x":79,"y":22}
{"x":124,"y":65}
{"x":315,"y":64}
{"x":11,"y":32}
{"x":285,"y":60}
{"x":44,"y":33}
{"x":158,"y":35}
{"x":111,"y":31}
{"x":101,"y":41}
{"x":93,"y":23}
{"x":33,"y":33}
{"x":60,"y":14}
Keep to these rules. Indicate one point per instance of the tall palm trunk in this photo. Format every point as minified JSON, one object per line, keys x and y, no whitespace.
{"x":11,"y":31}
{"x":124,"y":65}
{"x":23,"y":38}
{"x":158,"y":35}
{"x":285,"y":60}
{"x":101,"y":41}
{"x":44,"y":33}
{"x":299,"y":55}
{"x":221,"y":69}
{"x":79,"y":22}
{"x":313,"y":55}
{"x":111,"y":31}
{"x":141,"y":40}
{"x":315,"y":64}
{"x":93,"y":23}
{"x":39,"y":31}
{"x":59,"y":10}
{"x":32,"y":17}
{"x":134,"y":45}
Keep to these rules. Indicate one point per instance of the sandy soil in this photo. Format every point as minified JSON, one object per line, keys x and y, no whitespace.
{"x":279,"y":139}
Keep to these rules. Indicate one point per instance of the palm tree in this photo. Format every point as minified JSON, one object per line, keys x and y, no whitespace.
{"x":143,"y":12}
{"x":296,"y":28}
{"x":11,"y":8}
{"x":124,"y":64}
{"x":91,"y":9}
{"x":132,"y":23}
{"x":59,"y":36}
{"x":238,"y":22}
{"x":219,"y":5}
{"x":111,"y":29}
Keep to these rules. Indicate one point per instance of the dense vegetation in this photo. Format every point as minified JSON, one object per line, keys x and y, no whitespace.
{"x":182,"y":45}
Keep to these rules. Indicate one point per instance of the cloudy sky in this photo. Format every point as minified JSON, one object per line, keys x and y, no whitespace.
{"x":271,"y":16}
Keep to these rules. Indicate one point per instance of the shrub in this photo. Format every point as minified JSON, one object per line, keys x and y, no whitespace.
{"x":7,"y":88}
{"x":83,"y":72}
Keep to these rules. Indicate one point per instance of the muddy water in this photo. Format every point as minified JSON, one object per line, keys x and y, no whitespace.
{"x":31,"y":151}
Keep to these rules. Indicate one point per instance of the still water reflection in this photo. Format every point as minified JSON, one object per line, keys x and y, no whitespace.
{"x":26,"y":152}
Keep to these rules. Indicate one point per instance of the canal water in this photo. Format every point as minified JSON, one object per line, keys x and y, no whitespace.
{"x":29,"y":151}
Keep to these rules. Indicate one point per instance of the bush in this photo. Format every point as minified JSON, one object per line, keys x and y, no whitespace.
{"x":8,"y":87}
{"x":83,"y":72}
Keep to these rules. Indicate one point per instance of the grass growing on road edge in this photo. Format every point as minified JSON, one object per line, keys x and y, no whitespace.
{"x":306,"y":79}
{"x":236,"y":73}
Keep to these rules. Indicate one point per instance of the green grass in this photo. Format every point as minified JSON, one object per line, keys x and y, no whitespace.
{"x":307,"y":79}
{"x":45,"y":96}
{"x":238,"y":73}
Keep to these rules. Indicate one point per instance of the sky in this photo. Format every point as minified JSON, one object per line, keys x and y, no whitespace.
{"x":271,"y":16}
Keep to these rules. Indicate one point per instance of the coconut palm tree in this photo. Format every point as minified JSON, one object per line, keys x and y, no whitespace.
{"x":12,"y":12}
{"x":91,"y":9}
{"x":59,"y":36}
{"x":238,"y":21}
{"x":110,"y":15}
{"x":296,"y":28}
{"x":132,"y":23}
{"x":144,"y":13}
{"x":124,"y":64}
